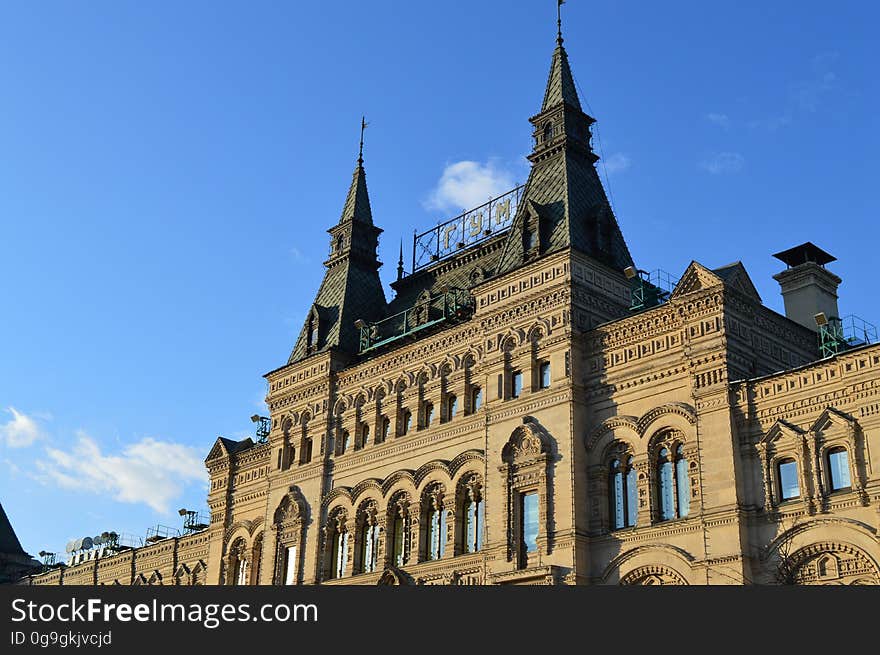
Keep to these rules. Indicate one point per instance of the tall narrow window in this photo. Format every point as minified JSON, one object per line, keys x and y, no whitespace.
{"x":346,"y":441}
{"x":623,"y":493}
{"x":667,"y":497}
{"x":399,"y":541}
{"x":544,"y":375}
{"x":365,"y":434}
{"x":436,"y":533}
{"x":515,"y":384}
{"x":340,"y":554}
{"x":474,"y":516}
{"x":241,"y":577}
{"x":451,"y":407}
{"x":429,"y":414}
{"x":306,"y":454}
{"x":406,"y":421}
{"x":290,"y":565}
{"x":476,"y":398}
{"x":386,"y":428}
{"x":369,"y":547}
{"x":529,"y":527}
{"x":682,"y":483}
{"x":838,"y":468}
{"x":312,"y":333}
{"x":787,"y":476}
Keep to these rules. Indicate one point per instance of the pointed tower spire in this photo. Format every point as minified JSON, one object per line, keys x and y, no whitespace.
{"x":400,"y":262}
{"x":559,"y":4}
{"x":351,"y":289}
{"x":564,"y":204}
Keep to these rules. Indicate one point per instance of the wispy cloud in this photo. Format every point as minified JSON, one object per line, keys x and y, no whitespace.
{"x":723,"y":162}
{"x":21,"y":430}
{"x":149,"y":471}
{"x":616,"y":163}
{"x":467,"y":184}
{"x":721,"y":120}
{"x":804,"y":96}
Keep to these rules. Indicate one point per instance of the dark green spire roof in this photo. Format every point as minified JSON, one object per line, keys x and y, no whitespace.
{"x":351,"y":288}
{"x":560,"y":83}
{"x":564,"y":204}
{"x":9,"y":543}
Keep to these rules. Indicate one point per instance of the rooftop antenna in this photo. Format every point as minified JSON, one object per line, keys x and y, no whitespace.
{"x":559,"y":4}
{"x":262,"y":427}
{"x":400,"y":261}
{"x":361,"y":150}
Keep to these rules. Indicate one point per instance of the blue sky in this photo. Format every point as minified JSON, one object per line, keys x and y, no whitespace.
{"x":168,"y":171}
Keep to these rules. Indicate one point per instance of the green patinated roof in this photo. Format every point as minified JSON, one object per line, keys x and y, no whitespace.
{"x":9,"y":543}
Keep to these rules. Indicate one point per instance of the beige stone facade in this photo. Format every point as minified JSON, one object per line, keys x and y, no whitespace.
{"x":548,"y":435}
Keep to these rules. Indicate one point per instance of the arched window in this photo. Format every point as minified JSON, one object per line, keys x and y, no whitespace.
{"x":435,"y":539}
{"x":312,"y":333}
{"x":474,"y":512}
{"x":365,"y":434}
{"x":429,"y":414}
{"x":398,"y":525}
{"x":405,"y":421}
{"x":787,"y":479}
{"x":476,"y":398}
{"x":345,"y":438}
{"x":340,"y":554}
{"x":386,"y":428}
{"x":837,"y":460}
{"x":451,"y":406}
{"x":368,"y":538}
{"x":667,"y":495}
{"x":682,"y":482}
{"x":623,"y":493}
{"x":673,"y":483}
{"x":548,"y":131}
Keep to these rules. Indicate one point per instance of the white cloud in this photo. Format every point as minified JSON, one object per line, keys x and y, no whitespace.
{"x":21,"y":430}
{"x":721,"y":120}
{"x":149,"y":471}
{"x":723,"y":162}
{"x":616,"y":163}
{"x":467,"y":184}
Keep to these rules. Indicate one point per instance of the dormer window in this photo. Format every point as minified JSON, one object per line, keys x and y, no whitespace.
{"x":337,"y":247}
{"x":312,"y":333}
{"x":548,"y":131}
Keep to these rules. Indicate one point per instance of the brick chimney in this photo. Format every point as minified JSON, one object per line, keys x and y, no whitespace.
{"x":807,"y":286}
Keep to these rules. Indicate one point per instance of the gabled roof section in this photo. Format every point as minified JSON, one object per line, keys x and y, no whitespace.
{"x":224,"y":447}
{"x":696,"y":278}
{"x":560,"y":83}
{"x":736,"y":276}
{"x":9,"y":543}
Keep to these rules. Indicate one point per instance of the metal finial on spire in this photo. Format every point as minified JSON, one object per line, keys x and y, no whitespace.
{"x":559,"y":4}
{"x":361,"y":150}
{"x":400,"y":262}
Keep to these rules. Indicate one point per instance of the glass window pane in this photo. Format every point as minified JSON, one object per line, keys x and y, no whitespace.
{"x":683,"y":487}
{"x":478,"y":398}
{"x":516,"y":384}
{"x":433,"y":533}
{"x":838,"y":468}
{"x":545,"y":375}
{"x":530,"y":521}
{"x":617,"y":498}
{"x":632,"y":498}
{"x":667,"y":500}
{"x":290,"y":568}
{"x":429,"y":414}
{"x":442,"y":549}
{"x":788,"y":480}
{"x":470,"y":526}
{"x":398,"y":541}
{"x":481,"y":522}
{"x":453,"y":406}
{"x":366,"y":434}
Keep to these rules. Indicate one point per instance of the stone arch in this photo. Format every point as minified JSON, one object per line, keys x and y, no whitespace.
{"x":527,"y":441}
{"x":623,"y":424}
{"x":431,"y":471}
{"x":633,"y":564}
{"x":680,"y":416}
{"x":465,"y":460}
{"x":653,"y":574}
{"x":830,"y":562}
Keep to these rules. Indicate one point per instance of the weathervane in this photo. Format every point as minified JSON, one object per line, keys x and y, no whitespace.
{"x":559,"y":4}
{"x":361,"y":151}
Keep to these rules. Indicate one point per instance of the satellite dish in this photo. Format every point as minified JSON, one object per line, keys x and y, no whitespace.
{"x":77,"y":544}
{"x":97,"y":540}
{"x":86,"y":543}
{"x":70,"y":546}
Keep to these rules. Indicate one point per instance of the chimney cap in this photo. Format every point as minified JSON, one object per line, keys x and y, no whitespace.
{"x":804,"y":253}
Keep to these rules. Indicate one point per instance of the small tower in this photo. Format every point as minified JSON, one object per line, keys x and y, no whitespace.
{"x":351,"y":289}
{"x":808,"y":288}
{"x":564,"y":203}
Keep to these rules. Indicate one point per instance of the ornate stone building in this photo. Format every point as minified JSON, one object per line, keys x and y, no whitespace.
{"x":531,"y":408}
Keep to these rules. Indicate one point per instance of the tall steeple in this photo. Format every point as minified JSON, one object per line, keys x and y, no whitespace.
{"x":564,"y":204}
{"x":351,"y":289}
